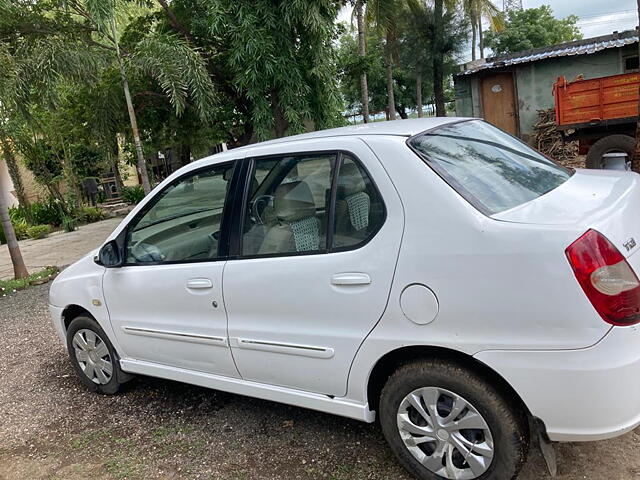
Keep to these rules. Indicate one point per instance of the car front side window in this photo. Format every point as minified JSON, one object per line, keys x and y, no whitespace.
{"x":183,"y":222}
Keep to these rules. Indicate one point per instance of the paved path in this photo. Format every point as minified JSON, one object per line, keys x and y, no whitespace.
{"x":58,"y":249}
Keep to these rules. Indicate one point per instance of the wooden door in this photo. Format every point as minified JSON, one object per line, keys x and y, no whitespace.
{"x":499,"y":102}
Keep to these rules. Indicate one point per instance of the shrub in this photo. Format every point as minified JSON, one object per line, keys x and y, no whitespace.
{"x":38,"y":231}
{"x":69,"y":224}
{"x":132,"y":195}
{"x":50,"y":211}
{"x":20,"y":227}
{"x":91,"y":214}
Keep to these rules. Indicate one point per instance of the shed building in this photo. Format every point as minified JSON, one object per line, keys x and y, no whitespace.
{"x":509,"y":90}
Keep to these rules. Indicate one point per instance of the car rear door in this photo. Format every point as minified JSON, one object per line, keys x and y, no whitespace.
{"x":300,"y":306}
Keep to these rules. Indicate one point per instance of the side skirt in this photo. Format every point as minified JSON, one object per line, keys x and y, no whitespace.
{"x":313,"y":401}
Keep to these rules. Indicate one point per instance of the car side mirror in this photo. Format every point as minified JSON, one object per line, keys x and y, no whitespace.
{"x":110,"y":255}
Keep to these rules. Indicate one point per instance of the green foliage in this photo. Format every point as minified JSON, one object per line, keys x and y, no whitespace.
{"x":21,"y":227}
{"x":277,"y":55}
{"x":87,"y":161}
{"x":7,"y":287}
{"x":91,"y":214}
{"x":532,"y":28}
{"x":69,"y":224}
{"x":132,"y":195}
{"x":38,"y":231}
{"x":48,"y":211}
{"x":180,"y":71}
{"x":414,"y":52}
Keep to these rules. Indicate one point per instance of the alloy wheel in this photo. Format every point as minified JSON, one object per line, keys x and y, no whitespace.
{"x":445,"y":433}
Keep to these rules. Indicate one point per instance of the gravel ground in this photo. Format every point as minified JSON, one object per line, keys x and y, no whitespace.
{"x":51,"y":428}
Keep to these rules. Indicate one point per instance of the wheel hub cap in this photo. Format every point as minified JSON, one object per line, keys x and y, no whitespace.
{"x":445,"y":433}
{"x":92,"y":355}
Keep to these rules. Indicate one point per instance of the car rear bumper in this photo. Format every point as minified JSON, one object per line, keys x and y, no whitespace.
{"x":585,"y":394}
{"x":56,"y":319}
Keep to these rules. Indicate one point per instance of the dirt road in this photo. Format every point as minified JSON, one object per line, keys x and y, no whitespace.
{"x":51,"y":428}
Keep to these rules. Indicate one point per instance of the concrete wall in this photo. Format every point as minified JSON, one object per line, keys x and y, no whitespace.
{"x":534,"y":82}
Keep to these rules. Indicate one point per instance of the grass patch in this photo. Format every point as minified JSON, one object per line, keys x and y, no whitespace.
{"x":8,"y":287}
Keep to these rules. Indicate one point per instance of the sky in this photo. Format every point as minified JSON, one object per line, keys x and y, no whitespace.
{"x":597,"y":17}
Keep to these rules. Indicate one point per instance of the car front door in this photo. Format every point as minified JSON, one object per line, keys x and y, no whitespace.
{"x":317,"y":248}
{"x":165,"y":303}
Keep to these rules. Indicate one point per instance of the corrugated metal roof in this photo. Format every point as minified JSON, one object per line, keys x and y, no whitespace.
{"x":579,"y":47}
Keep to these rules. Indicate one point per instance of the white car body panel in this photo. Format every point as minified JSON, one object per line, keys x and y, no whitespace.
{"x":505,"y":295}
{"x":322,"y":314}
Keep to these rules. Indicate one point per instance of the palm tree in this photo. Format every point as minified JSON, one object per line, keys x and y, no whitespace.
{"x":477,"y":11}
{"x":364,"y":89}
{"x":19,"y":268}
{"x":383,"y":15}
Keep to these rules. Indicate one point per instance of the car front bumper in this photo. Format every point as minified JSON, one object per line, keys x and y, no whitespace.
{"x":585,"y":394}
{"x":56,"y":318}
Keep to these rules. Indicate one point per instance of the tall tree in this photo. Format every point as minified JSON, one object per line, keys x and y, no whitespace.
{"x":477,"y":11}
{"x":532,"y":28}
{"x":383,"y":15}
{"x":364,"y":89}
{"x":19,"y":268}
{"x":438,"y":58}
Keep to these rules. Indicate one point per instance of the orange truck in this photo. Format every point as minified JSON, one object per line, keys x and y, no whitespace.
{"x":601,"y":113}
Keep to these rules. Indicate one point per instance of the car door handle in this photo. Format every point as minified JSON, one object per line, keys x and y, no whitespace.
{"x":199,"y":283}
{"x":350,"y":279}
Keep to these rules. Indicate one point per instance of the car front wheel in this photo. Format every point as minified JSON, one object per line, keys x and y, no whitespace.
{"x":443,"y":421}
{"x":93,"y":357}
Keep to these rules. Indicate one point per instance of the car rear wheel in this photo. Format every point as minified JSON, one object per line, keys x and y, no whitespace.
{"x":443,"y":421}
{"x":93,"y":357}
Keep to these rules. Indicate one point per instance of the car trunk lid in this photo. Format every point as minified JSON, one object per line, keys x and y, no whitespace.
{"x":607,"y":201}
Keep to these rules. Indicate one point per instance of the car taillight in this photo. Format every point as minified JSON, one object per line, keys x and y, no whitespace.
{"x":606,"y":278}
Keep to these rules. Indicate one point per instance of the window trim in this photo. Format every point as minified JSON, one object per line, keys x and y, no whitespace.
{"x":223,"y":243}
{"x":235,"y":253}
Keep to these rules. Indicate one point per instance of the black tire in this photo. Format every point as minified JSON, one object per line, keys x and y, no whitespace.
{"x":504,"y":416}
{"x":118,"y":377}
{"x":611,"y":143}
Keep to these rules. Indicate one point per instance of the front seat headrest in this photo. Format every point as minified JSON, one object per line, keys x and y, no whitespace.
{"x":294,"y":201}
{"x":350,"y":180}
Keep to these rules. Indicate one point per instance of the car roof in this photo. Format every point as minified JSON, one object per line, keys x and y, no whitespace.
{"x":403,"y":128}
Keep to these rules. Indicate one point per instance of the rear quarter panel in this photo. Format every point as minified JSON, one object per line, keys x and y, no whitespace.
{"x":499,"y":285}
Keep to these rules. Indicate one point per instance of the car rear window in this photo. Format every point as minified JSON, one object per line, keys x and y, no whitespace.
{"x":491,"y":169}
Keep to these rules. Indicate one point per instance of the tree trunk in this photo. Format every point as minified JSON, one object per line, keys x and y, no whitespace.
{"x":364,"y":88}
{"x":281,"y":123}
{"x":391,"y":103}
{"x":480,"y":37}
{"x":419,"y":94}
{"x":19,"y":268}
{"x":438,"y":60}
{"x":473,"y":38}
{"x":142,"y":164}
{"x":112,"y":155}
{"x":14,"y":172}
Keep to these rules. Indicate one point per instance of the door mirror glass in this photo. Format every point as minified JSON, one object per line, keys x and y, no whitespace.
{"x":109,"y":255}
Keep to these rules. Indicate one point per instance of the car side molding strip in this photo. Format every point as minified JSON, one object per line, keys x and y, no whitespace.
{"x":186,"y":337}
{"x":281,"y":347}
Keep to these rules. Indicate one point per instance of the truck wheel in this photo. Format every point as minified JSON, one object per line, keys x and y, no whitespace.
{"x":443,"y":421}
{"x":610,"y":144}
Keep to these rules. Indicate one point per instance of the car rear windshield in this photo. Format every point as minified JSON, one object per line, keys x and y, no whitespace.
{"x":491,"y":169}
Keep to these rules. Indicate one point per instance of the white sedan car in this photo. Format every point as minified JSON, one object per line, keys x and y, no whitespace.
{"x":436,"y":273}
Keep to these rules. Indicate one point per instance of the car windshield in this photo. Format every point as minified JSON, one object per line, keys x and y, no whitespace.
{"x":491,"y":169}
